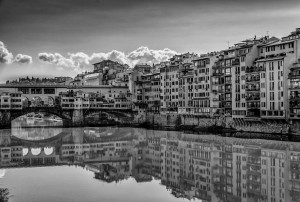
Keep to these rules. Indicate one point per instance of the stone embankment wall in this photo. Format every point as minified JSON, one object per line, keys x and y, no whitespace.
{"x":173,"y":119}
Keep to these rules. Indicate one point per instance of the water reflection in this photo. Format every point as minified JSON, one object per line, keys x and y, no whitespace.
{"x":206,"y":167}
{"x":36,"y":126}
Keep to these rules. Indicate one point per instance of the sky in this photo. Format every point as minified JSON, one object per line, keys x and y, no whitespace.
{"x":65,"y":37}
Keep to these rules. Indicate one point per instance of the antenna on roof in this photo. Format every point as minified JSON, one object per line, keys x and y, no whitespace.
{"x":227,"y":43}
{"x":267,"y":33}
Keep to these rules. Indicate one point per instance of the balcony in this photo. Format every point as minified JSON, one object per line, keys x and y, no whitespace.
{"x":215,"y":91}
{"x":255,"y":69}
{"x":236,"y":62}
{"x":295,"y":104}
{"x":228,"y":105}
{"x":217,"y":74}
{"x":296,"y":66}
{"x":253,"y":79}
{"x":217,"y":66}
{"x":253,"y":89}
{"x":228,"y":90}
{"x":227,"y":81}
{"x":294,"y":98}
{"x":252,"y":98}
{"x":253,"y":106}
{"x":294,"y":76}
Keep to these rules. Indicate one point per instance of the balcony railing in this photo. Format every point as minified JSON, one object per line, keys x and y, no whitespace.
{"x":218,"y":74}
{"x":294,"y":76}
{"x":237,"y":62}
{"x":255,"y":69}
{"x":254,"y":79}
{"x":250,"y":98}
{"x":296,"y":97}
{"x":228,"y":105}
{"x":253,"y":89}
{"x":296,"y":66}
{"x":228,"y":90}
{"x":253,"y":106}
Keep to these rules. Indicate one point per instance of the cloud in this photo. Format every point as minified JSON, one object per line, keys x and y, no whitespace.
{"x":56,"y":59}
{"x":145,"y":55}
{"x":23,"y":59}
{"x":5,"y":56}
{"x":79,"y":61}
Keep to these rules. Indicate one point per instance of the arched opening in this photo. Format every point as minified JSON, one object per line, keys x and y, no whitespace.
{"x":25,"y":102}
{"x":36,"y":102}
{"x":49,"y":101}
{"x":48,"y":150}
{"x":36,"y":151}
{"x":25,"y":151}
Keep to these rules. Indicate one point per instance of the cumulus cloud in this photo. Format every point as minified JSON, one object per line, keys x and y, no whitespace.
{"x":57,"y":59}
{"x":5,"y":56}
{"x":23,"y":59}
{"x":80,"y":60}
{"x":145,"y":55}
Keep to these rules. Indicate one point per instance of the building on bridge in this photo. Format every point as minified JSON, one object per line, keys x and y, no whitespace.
{"x":11,"y":100}
{"x":18,"y":96}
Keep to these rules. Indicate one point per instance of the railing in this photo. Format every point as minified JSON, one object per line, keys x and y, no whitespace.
{"x":293,"y":75}
{"x":255,"y":69}
{"x":253,"y":106}
{"x":218,"y":74}
{"x":296,"y":66}
{"x":237,"y":62}
{"x":252,"y":89}
{"x":256,"y":79}
{"x":228,"y":90}
{"x":252,"y":98}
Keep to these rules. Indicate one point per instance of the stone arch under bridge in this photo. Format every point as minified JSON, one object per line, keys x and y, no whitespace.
{"x":121,"y":114}
{"x":70,"y":117}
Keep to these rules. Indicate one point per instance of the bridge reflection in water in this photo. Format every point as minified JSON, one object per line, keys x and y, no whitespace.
{"x":207,"y":167}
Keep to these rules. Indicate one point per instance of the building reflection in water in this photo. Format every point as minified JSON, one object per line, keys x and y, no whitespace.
{"x":36,"y":128}
{"x":206,"y":167}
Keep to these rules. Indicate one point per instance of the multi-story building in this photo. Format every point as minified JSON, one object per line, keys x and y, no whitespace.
{"x":108,"y":70}
{"x":169,"y":76}
{"x":13,"y":101}
{"x":204,"y":97}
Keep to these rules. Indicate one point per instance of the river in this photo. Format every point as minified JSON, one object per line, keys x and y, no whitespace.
{"x":134,"y":164}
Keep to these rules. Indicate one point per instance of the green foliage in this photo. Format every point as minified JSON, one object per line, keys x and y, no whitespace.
{"x":4,"y":195}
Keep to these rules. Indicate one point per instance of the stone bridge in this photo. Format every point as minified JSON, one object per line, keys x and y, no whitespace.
{"x":70,"y":117}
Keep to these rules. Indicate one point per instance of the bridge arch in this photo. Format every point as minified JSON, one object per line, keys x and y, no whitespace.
{"x":38,"y":151}
{"x":25,"y":101}
{"x":57,"y":111}
{"x":35,"y":151}
{"x":109,"y":112}
{"x":36,"y":101}
{"x":48,"y":101}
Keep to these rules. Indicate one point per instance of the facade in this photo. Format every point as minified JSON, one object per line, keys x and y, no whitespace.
{"x":257,"y":79}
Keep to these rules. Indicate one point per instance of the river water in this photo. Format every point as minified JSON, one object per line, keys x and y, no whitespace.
{"x":133,"y":164}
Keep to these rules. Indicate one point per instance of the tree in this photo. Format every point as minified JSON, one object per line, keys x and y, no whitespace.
{"x":4,"y":195}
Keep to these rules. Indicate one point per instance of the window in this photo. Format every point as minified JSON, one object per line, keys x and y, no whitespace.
{"x":271,"y":85}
